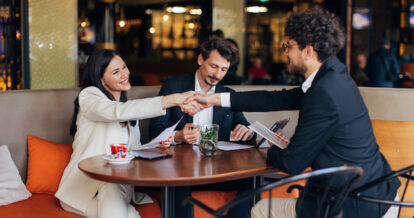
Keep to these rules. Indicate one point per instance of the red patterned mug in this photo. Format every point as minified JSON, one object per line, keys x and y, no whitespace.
{"x":118,"y":151}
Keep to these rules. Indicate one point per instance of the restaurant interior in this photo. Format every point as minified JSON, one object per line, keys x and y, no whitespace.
{"x":160,"y":38}
{"x":45,"y":44}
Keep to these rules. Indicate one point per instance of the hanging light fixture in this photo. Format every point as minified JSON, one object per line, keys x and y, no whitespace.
{"x":121,"y":22}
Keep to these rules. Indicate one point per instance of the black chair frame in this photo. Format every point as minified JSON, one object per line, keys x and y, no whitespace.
{"x":333,"y":198}
{"x":406,"y":173}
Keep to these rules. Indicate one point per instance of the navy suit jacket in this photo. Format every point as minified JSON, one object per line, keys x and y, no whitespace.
{"x":333,"y":129}
{"x":224,"y":117}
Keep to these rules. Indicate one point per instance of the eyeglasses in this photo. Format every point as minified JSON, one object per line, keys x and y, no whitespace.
{"x":286,"y":46}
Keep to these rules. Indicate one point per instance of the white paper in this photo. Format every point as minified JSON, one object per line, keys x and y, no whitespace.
{"x":267,"y":134}
{"x":230,"y":146}
{"x":161,"y":137}
{"x":141,"y":198}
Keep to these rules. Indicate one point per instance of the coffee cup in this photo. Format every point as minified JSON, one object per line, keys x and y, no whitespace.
{"x":118,"y":151}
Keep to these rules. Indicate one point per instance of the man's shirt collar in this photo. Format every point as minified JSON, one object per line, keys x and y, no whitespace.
{"x":308,"y":82}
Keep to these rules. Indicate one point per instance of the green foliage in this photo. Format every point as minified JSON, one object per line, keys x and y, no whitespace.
{"x":208,"y":134}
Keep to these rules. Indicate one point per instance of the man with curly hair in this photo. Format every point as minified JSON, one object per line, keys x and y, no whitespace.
{"x":334,"y":128}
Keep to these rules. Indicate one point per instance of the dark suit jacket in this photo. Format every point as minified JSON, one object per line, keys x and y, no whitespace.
{"x":224,"y":117}
{"x":333,"y":129}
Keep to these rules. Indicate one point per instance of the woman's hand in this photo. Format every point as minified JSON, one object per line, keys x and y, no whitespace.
{"x":166,"y":143}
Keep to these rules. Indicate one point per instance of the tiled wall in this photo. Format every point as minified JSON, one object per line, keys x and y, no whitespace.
{"x":53,"y":43}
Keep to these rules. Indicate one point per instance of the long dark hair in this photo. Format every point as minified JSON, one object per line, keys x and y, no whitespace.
{"x":94,"y":71}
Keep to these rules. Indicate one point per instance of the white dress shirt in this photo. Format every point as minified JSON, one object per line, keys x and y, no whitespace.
{"x":203,"y":117}
{"x":308,"y":82}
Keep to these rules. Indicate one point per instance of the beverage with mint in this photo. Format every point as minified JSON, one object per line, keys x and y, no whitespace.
{"x":208,"y":139}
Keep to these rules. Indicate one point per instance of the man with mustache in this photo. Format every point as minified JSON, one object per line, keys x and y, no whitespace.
{"x":214,"y":60}
{"x":334,"y":127}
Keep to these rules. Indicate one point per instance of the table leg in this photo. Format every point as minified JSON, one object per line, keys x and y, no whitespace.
{"x":167,"y":202}
{"x":257,"y":183}
{"x":172,"y":198}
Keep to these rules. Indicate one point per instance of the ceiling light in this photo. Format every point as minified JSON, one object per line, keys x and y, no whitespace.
{"x":256,"y":9}
{"x":177,"y":10}
{"x":196,"y":11}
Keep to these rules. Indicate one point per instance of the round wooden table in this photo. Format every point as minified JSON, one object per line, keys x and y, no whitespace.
{"x":187,"y":167}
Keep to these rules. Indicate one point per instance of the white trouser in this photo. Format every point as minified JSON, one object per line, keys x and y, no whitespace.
{"x":111,"y":201}
{"x":392,"y":212}
{"x":281,"y":208}
{"x":285,"y":208}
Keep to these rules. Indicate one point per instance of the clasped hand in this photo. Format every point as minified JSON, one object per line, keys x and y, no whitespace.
{"x":194,"y":103}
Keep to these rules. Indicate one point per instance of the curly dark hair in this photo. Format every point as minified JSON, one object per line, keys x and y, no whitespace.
{"x":319,"y":28}
{"x":223,"y":47}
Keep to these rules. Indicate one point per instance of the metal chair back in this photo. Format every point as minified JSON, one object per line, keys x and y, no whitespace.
{"x":406,"y":173}
{"x":330,"y":198}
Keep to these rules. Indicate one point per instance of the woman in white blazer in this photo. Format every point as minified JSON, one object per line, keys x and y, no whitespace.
{"x":102,"y":117}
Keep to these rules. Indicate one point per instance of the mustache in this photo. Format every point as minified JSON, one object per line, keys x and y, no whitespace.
{"x":213,"y":77}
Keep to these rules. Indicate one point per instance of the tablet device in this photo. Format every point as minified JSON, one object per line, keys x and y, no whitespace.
{"x":150,"y":155}
{"x":277,"y":126}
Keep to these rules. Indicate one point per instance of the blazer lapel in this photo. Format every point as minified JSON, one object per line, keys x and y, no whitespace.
{"x":218,"y":111}
{"x":189,"y":85}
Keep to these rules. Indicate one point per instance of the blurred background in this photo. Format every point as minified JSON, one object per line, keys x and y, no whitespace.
{"x":45,"y":43}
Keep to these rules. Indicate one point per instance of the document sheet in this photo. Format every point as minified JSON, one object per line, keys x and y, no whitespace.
{"x":278,"y":138}
{"x":161,"y":137}
{"x":229,"y":146}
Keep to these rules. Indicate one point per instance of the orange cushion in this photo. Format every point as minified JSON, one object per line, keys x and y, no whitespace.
{"x":151,"y":210}
{"x":281,"y":191}
{"x":44,"y":206}
{"x":37,"y":206}
{"x":46,"y":163}
{"x":213,"y":199}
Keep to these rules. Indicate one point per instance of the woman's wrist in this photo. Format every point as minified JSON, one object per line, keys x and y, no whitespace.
{"x":168,"y":101}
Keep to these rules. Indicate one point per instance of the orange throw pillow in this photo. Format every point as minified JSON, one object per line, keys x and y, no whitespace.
{"x":46,"y":163}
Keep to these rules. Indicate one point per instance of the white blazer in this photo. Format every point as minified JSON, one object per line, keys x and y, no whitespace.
{"x":98,"y":126}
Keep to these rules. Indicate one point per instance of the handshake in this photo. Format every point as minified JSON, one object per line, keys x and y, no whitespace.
{"x":192,"y":102}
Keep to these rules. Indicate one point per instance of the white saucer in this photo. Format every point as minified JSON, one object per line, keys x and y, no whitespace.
{"x":125,"y":160}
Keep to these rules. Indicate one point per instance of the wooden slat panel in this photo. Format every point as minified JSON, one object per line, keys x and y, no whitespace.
{"x":396,"y":142}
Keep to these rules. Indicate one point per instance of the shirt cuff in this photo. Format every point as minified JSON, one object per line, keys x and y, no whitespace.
{"x":225,"y":99}
{"x":174,"y":142}
{"x":250,"y":138}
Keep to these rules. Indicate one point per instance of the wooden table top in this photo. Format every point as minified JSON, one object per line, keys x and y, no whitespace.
{"x":186,"y":167}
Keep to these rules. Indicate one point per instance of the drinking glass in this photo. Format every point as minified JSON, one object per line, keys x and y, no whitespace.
{"x":208,"y":143}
